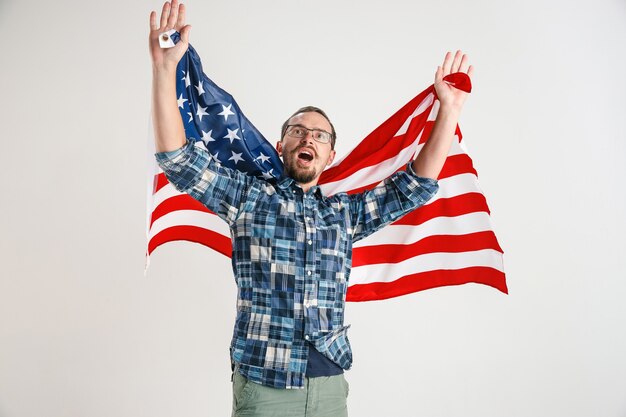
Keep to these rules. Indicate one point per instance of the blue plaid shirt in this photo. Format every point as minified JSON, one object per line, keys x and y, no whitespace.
{"x":292,"y":255}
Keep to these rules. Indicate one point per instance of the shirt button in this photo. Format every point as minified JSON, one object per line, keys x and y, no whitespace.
{"x":310,"y":242}
{"x":308,"y":272}
{"x":307,"y":304}
{"x":306,"y":337}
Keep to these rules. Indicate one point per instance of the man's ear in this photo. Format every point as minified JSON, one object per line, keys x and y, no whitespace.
{"x":279,"y":148}
{"x":331,"y":157}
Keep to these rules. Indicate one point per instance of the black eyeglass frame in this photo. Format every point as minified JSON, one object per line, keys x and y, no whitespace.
{"x":328,"y":140}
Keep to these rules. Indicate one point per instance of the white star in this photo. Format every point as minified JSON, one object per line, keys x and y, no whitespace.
{"x":206,"y":136}
{"x":215,"y":158}
{"x":190,"y":117}
{"x":200,"y":88}
{"x":268,"y":175}
{"x":262,"y":157}
{"x":226,"y":112}
{"x":201,"y":112}
{"x":236,"y":157}
{"x":232,"y":135}
{"x":181,"y":101}
{"x":187,"y":80}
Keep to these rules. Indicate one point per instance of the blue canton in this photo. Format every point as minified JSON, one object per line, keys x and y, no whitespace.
{"x":292,"y":254}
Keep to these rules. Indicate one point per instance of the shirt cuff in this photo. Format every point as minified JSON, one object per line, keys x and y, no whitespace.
{"x":422,"y":180}
{"x":169,"y":156}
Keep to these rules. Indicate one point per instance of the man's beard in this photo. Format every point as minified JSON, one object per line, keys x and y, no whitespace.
{"x":301,"y":176}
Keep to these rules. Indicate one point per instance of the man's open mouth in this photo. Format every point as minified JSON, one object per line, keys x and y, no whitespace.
{"x":305,"y":155}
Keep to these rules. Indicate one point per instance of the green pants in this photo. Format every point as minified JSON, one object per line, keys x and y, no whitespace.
{"x":323,"y":396}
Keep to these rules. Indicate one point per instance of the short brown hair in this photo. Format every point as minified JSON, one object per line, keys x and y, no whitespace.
{"x":307,"y":109}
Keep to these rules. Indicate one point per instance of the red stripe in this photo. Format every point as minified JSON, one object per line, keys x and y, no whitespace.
{"x":205,"y":237}
{"x":179,"y":202}
{"x":395,"y":253}
{"x":456,"y":165}
{"x":160,"y":181}
{"x":426,"y":280}
{"x":446,"y":207}
{"x":428,"y":128}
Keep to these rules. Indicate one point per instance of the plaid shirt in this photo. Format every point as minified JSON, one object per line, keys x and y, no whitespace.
{"x":292,"y":254}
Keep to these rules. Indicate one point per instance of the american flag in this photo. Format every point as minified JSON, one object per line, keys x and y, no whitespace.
{"x":448,"y":241}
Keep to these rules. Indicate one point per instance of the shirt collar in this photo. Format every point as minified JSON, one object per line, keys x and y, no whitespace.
{"x":288,"y":182}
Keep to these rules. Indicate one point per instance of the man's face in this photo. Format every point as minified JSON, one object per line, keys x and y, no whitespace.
{"x":305,"y":158}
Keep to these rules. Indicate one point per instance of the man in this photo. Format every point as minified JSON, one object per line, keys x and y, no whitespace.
{"x":292,"y":245}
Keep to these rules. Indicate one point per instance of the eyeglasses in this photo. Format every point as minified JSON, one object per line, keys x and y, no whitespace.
{"x":299,"y":132}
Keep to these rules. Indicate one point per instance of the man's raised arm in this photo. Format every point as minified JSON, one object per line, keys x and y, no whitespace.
{"x":431,"y":158}
{"x":169,"y":132}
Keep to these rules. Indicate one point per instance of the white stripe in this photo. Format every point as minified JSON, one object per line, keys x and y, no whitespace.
{"x":190,"y":218}
{"x":456,"y":186}
{"x":434,"y":112}
{"x":428,"y":262}
{"x":167,"y":191}
{"x":407,"y":234}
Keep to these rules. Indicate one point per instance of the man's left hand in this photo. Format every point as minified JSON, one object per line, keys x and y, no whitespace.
{"x":452,"y":98}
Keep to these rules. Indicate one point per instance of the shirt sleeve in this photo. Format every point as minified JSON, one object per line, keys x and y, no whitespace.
{"x":192,"y":170}
{"x":399,"y":194}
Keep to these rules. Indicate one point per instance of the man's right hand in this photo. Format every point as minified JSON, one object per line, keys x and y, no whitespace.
{"x":172,"y":17}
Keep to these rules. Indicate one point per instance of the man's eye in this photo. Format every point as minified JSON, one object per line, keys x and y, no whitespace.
{"x":298,"y":131}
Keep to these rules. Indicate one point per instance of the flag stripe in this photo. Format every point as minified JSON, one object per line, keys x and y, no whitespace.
{"x":459,"y":225}
{"x":395,"y":253}
{"x":160,"y":181}
{"x":175,"y":203}
{"x":190,"y":218}
{"x":448,"y":207}
{"x":195,"y":234}
{"x":427,"y":280}
{"x":389,"y":272}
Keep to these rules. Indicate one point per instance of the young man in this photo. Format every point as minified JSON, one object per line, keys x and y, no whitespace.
{"x":292,"y":245}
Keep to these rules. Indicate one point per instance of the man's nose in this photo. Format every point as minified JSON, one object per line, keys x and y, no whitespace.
{"x":308,"y":137}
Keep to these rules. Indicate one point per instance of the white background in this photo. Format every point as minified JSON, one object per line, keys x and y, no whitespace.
{"x":84,"y":334}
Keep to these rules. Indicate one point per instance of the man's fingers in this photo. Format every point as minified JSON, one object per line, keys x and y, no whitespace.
{"x":438,"y":74}
{"x":184,"y":33}
{"x":447,"y":63}
{"x":457,"y":61}
{"x":181,"y":16}
{"x":153,"y":24}
{"x":171,"y":21}
{"x":464,"y":64}
{"x":470,"y":71}
{"x":165,"y":13}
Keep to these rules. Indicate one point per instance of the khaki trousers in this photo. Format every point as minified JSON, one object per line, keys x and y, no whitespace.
{"x":323,"y":396}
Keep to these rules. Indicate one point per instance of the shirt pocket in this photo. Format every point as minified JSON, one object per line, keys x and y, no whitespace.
{"x":332,"y":249}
